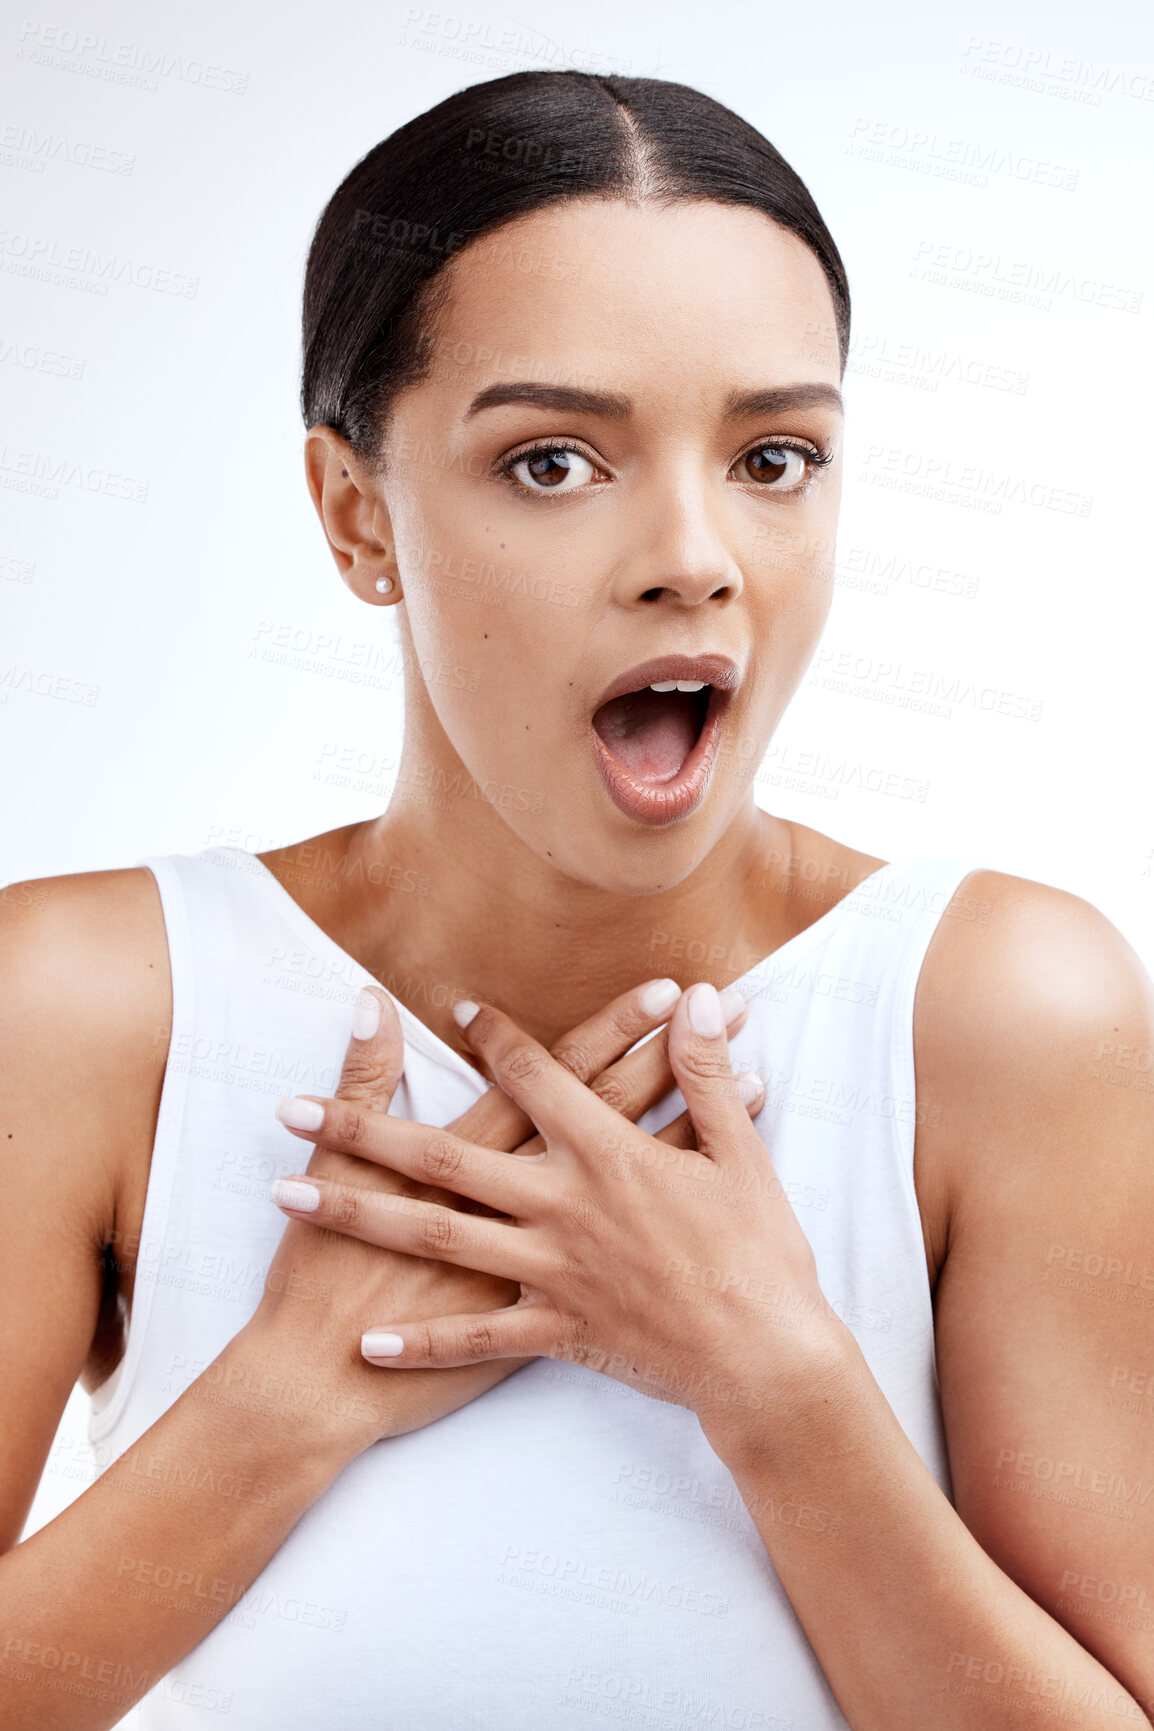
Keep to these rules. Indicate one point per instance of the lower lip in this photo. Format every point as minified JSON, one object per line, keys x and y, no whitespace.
{"x":661,"y":802}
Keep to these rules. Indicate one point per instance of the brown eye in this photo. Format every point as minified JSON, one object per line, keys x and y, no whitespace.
{"x":552,"y":470}
{"x":774,"y":464}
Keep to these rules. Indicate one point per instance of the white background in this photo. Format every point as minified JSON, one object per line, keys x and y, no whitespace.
{"x":985,"y":171}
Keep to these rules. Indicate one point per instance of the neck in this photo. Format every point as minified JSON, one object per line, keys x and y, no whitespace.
{"x":497,"y":923}
{"x":442,"y":904}
{"x":440,"y":899}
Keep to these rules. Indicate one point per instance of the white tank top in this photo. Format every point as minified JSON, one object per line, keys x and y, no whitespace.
{"x":563,"y":1549}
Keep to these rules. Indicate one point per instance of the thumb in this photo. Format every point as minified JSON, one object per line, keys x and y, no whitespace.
{"x":699,"y":1057}
{"x":374,"y":1060}
{"x":375,"y":1055}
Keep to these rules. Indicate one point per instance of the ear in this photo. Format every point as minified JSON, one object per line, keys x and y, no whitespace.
{"x":353,"y":516}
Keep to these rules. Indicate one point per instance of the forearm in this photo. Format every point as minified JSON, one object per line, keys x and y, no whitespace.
{"x":100,"y":1603}
{"x":915,"y":1627}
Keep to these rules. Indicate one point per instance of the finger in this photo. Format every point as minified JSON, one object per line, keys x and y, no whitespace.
{"x":555,"y":1101}
{"x":640,"y":1077}
{"x":520,"y":1330}
{"x":423,"y":1152}
{"x":496,"y":1121}
{"x":375,"y":1055}
{"x":699,"y":1053}
{"x":594,"y":1044}
{"x":644,"y":1076}
{"x":418,"y":1228}
{"x":680,"y":1133}
{"x":373,"y":1062}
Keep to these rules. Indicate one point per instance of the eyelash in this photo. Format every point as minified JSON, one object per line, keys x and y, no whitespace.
{"x":508,"y":464}
{"x":819,"y":456}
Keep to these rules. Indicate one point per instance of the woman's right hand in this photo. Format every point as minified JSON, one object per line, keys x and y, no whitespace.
{"x":324,"y":1288}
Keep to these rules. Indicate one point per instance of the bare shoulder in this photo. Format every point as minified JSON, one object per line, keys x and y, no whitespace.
{"x":1033,"y":1018}
{"x":1030,"y":988}
{"x":85,"y":1012}
{"x":86,"y":971}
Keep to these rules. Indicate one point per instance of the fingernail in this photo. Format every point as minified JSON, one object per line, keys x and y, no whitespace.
{"x":379,"y":1345}
{"x":463,"y":1012}
{"x":366,"y":1016}
{"x":749,"y":1086}
{"x":705,"y":1010}
{"x":659,"y":996}
{"x":294,"y":1193}
{"x":732,"y":1004}
{"x":297,"y":1114}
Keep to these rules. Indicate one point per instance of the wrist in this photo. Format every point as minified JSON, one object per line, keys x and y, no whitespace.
{"x":321,"y":1422}
{"x":768,"y":1409}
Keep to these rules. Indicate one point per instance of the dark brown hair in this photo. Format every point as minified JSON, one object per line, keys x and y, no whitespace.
{"x":481,"y":158}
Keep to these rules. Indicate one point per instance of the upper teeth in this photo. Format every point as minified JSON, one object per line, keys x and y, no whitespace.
{"x":679,"y":685}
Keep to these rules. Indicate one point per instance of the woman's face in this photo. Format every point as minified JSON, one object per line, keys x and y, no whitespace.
{"x":622,"y":469}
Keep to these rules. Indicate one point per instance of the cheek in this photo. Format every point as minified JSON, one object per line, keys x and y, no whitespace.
{"x":491,"y":671}
{"x":492,"y":632}
{"x":795,"y":576}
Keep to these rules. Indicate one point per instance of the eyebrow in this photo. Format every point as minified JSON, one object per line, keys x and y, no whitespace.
{"x":569,"y":399}
{"x":816,"y":396}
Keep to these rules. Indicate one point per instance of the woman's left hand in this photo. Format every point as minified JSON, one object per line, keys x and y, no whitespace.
{"x":682,"y":1272}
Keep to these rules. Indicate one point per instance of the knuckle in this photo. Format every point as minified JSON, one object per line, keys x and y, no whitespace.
{"x":344,"y":1206}
{"x":575,"y":1056}
{"x":441,"y":1159}
{"x":708,"y":1066}
{"x":436,"y":1231}
{"x":479,"y":1339}
{"x":522,"y":1064}
{"x":614,"y":1092}
{"x":345,"y":1125}
{"x":360,"y":1072}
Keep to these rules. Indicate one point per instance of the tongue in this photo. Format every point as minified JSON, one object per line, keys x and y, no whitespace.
{"x":650,"y":733}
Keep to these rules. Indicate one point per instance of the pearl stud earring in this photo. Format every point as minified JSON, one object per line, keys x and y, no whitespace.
{"x":384,"y":584}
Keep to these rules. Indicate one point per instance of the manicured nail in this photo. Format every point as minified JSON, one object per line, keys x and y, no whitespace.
{"x":376,"y":1344}
{"x":298,"y":1114}
{"x":732,"y":1004}
{"x":705,"y":1010}
{"x":366,"y":1016}
{"x":463,"y":1012}
{"x":295,"y":1193}
{"x":749,"y":1086}
{"x":659,"y":996}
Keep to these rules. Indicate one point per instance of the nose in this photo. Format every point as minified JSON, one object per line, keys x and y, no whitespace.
{"x":676,"y":552}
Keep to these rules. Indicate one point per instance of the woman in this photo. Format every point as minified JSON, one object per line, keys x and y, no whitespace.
{"x":826,"y":1416}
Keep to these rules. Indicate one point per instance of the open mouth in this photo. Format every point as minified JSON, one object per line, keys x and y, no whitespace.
{"x":652,"y":732}
{"x":656,"y":745}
